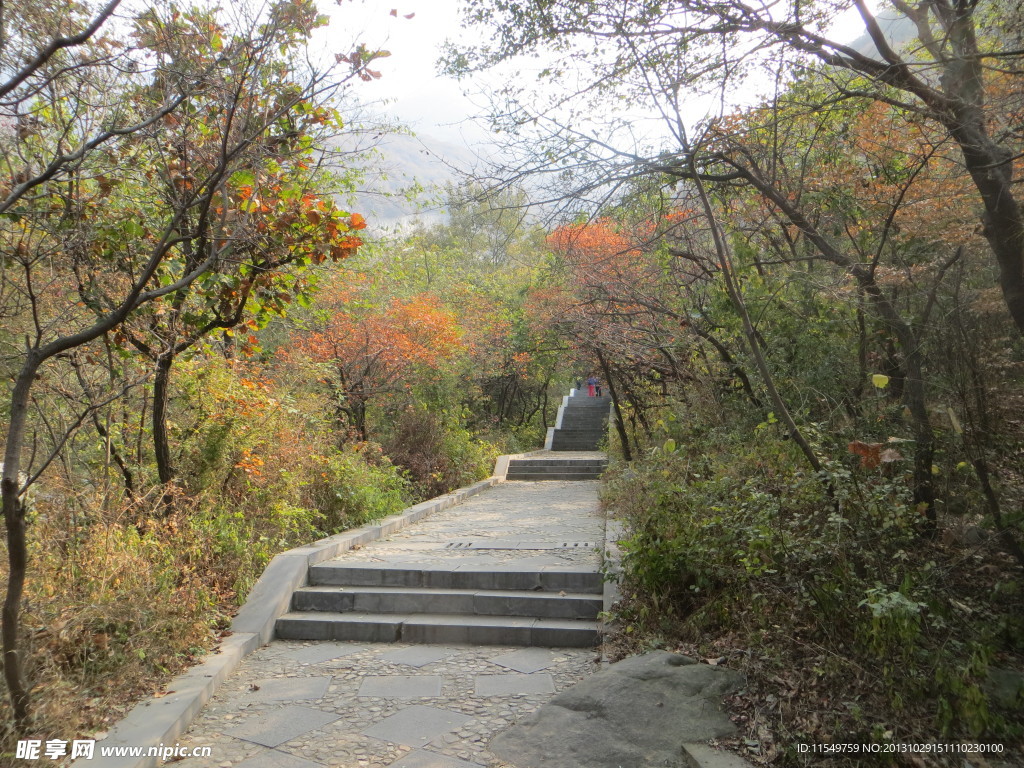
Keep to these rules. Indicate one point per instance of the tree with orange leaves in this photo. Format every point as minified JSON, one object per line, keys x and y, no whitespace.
{"x":616,"y":308}
{"x":366,"y":349}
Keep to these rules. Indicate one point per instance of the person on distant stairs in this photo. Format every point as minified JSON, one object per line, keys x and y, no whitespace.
{"x":591,"y":385}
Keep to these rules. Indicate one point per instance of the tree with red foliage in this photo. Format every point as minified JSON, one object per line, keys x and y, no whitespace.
{"x":367,"y":349}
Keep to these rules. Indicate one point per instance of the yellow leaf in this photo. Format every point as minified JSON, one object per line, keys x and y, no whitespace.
{"x":880,"y":380}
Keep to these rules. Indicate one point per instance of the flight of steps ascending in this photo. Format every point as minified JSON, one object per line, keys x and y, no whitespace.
{"x":556,"y":469}
{"x":373,"y":602}
{"x":581,"y":423}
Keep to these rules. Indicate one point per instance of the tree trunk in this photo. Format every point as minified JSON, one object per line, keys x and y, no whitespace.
{"x":753,"y":338}
{"x":913,"y":393}
{"x":620,"y":427}
{"x":734,"y":368}
{"x":989,"y":163}
{"x":126,"y":472}
{"x":914,"y":384}
{"x":17,"y":549}
{"x":161,"y":440}
{"x":544,"y":407}
{"x":359,"y":418}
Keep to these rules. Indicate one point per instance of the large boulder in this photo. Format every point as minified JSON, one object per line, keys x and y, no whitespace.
{"x":634,"y":714}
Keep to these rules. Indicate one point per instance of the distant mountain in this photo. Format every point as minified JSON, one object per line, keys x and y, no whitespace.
{"x":403,"y":177}
{"x":896,"y":27}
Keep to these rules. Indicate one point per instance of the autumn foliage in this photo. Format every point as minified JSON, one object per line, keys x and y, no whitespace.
{"x":368,"y":350}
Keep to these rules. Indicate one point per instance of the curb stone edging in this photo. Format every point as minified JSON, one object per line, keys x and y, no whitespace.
{"x":611,"y":556}
{"x":161,"y":721}
{"x":703,"y":756}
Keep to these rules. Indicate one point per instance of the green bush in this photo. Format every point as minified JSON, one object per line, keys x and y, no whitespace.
{"x":840,"y":590}
{"x":356,"y":485}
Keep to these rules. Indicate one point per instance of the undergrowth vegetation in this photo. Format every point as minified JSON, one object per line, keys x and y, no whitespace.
{"x":852,"y":619}
{"x":126,"y":590}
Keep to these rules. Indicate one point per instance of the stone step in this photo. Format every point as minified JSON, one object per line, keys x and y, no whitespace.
{"x":338,"y":573}
{"x":566,"y":462}
{"x":555,"y":469}
{"x":473,"y":602}
{"x":575,"y":442}
{"x":438,"y":628}
{"x":564,"y":476}
{"x":563,"y":471}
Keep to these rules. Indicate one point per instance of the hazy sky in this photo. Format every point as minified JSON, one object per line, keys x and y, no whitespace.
{"x":414,"y":92}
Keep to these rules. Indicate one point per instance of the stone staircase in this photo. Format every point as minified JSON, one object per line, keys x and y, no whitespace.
{"x":552,"y":468}
{"x":517,"y":565}
{"x":503,"y":605}
{"x":581,"y":423}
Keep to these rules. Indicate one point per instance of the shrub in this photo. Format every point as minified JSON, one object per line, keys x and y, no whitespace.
{"x":437,"y":451}
{"x":733,"y":545}
{"x":356,"y":485}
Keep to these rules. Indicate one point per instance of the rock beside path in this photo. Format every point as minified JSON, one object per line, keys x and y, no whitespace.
{"x":635,"y":714}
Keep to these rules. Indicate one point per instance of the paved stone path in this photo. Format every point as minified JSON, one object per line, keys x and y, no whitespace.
{"x":532,"y":519}
{"x":298,"y":704}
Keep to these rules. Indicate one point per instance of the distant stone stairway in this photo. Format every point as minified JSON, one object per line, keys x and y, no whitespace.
{"x":580,"y":425}
{"x":365,"y":602}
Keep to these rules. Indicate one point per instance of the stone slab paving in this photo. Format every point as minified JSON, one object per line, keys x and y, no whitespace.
{"x":276,"y":726}
{"x":402,"y":686}
{"x":272,"y":758}
{"x":290,"y":688}
{"x":321,"y":652}
{"x":504,"y":685}
{"x":526,"y":660}
{"x":423,"y":759}
{"x":297,"y":704}
{"x":418,"y":655}
{"x":544,"y":514}
{"x":378,"y":711}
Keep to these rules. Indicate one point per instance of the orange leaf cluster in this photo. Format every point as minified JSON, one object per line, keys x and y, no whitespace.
{"x":377,"y":344}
